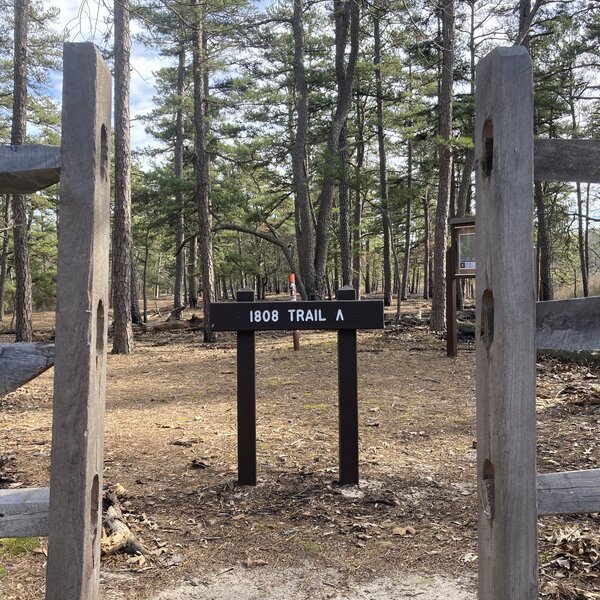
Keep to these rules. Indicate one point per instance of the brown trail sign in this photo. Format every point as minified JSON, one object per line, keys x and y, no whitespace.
{"x":345,"y":315}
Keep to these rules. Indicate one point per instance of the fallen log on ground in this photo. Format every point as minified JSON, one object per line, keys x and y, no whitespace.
{"x":193,"y":324}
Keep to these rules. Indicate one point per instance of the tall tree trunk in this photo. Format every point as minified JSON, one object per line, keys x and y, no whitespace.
{"x":406,"y":262}
{"x":157,"y":276}
{"x":368,"y":266}
{"x":191,"y":275}
{"x":438,"y":305}
{"x":122,"y":240}
{"x":344,"y":200}
{"x":202,"y":169}
{"x":587,"y":229}
{"x":178,"y":297}
{"x":581,"y":242}
{"x":135,"y":301}
{"x":304,"y":222}
{"x":145,"y":276}
{"x":426,"y":245}
{"x":546,"y":287}
{"x":347,"y":17}
{"x":357,"y":224}
{"x":4,"y":254}
{"x":407,"y":233}
{"x":465,"y":181}
{"x":23,"y":304}
{"x":583,"y":266}
{"x":383,"y":184}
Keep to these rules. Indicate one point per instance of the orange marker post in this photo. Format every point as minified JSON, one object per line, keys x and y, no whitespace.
{"x":295,"y":334}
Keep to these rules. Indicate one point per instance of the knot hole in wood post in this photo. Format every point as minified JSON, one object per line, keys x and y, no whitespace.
{"x":487,"y":318}
{"x":99,"y":332}
{"x":487,"y":160}
{"x":104,"y":153}
{"x":488,"y":489}
{"x":94,"y":505}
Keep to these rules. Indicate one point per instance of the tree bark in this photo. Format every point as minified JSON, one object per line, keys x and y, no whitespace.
{"x":426,"y":246}
{"x":135,"y":301}
{"x":202,"y":169}
{"x":368,"y":266}
{"x":438,"y":305}
{"x":406,"y":262}
{"x":191,"y":274}
{"x":581,"y":242}
{"x":23,"y":303}
{"x":383,"y":183}
{"x":347,"y":17}
{"x":304,"y":222}
{"x":356,"y":230}
{"x":344,"y":201}
{"x":546,"y":286}
{"x":178,"y":299}
{"x":122,"y":240}
{"x":145,"y":276}
{"x":4,"y":254}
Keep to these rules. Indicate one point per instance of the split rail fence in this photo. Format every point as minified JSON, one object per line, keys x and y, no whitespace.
{"x":511,"y":327}
{"x":69,"y":512}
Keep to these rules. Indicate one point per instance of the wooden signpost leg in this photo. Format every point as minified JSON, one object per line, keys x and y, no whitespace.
{"x":246,"y":399}
{"x":74,"y":527}
{"x":505,"y":342}
{"x":348,"y":397}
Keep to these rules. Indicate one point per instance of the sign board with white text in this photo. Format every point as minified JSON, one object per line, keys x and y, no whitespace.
{"x":269,"y":316}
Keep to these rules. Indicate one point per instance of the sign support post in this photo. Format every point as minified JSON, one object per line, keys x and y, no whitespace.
{"x":295,"y":333}
{"x":348,"y":397}
{"x":246,"y":399}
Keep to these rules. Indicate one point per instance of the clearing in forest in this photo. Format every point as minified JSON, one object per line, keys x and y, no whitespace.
{"x":409,"y":529}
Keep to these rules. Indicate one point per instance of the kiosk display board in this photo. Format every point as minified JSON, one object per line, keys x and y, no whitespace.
{"x":465,"y":254}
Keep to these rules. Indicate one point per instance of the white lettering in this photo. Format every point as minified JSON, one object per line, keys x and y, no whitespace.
{"x":299,"y":314}
{"x":291,"y":311}
{"x":275,"y":316}
{"x":266,"y":316}
{"x":321,"y":317}
{"x":340,"y":315}
{"x":309,"y":315}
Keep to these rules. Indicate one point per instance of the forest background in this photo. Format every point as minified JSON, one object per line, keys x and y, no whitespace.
{"x":332,"y":140}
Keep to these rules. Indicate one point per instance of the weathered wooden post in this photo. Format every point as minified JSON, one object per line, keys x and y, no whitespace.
{"x":81,"y":326}
{"x":506,"y":334}
{"x":246,"y":399}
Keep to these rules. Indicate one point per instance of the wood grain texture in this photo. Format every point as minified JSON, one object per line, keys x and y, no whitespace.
{"x":28,"y":168}
{"x":567,"y":160}
{"x":572,"y":324}
{"x":81,"y":327}
{"x":505,"y":332}
{"x":22,"y":362}
{"x":569,"y":492}
{"x":24,"y":513}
